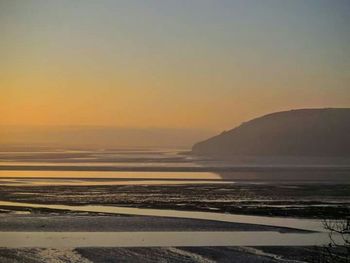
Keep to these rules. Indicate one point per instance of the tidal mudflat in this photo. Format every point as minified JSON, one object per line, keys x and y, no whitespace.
{"x":154,"y":254}
{"x":285,"y":199}
{"x":166,"y":208}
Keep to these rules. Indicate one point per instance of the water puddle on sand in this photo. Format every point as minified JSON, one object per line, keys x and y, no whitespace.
{"x":82,"y":182}
{"x":41,"y":178}
{"x":157,"y":239}
{"x":88,"y":163}
{"x":110,"y":174}
{"x":304,"y":224}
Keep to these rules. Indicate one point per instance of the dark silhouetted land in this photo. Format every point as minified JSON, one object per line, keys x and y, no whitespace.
{"x":304,"y":132}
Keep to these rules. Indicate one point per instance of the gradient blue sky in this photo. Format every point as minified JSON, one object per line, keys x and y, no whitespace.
{"x":172,"y":64}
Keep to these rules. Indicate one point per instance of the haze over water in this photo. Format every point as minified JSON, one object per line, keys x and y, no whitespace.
{"x":189,"y":65}
{"x":137,"y":130}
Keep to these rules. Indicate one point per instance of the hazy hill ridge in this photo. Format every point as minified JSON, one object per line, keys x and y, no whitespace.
{"x":303,"y":132}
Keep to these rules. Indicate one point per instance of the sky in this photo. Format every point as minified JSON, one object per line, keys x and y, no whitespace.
{"x":184,"y":64}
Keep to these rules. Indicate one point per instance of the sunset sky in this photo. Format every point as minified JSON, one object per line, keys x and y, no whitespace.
{"x":170,"y":64}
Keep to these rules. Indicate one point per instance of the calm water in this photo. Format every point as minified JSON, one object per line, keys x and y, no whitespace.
{"x":154,"y":165}
{"x":158,"y":239}
{"x":173,"y":238}
{"x":304,"y":224}
{"x":107,"y":174}
{"x":162,"y":161}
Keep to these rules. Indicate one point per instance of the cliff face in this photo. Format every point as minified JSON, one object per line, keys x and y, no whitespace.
{"x":305,"y":132}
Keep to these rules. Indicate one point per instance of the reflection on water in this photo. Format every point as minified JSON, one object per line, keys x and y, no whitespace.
{"x":304,"y":224}
{"x":93,"y":162}
{"x":92,"y":182}
{"x":107,"y":174}
{"x":158,"y":239}
{"x":165,"y":164}
{"x":37,"y":178}
{"x":281,"y":177}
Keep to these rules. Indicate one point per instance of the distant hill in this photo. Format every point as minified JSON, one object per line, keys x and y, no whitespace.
{"x":304,"y":132}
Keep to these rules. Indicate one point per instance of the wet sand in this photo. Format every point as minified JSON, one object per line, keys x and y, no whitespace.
{"x":104,"y":223}
{"x":159,"y":254}
{"x":284,"y":200}
{"x":171,"y":183}
{"x":59,"y":226}
{"x":144,"y":255}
